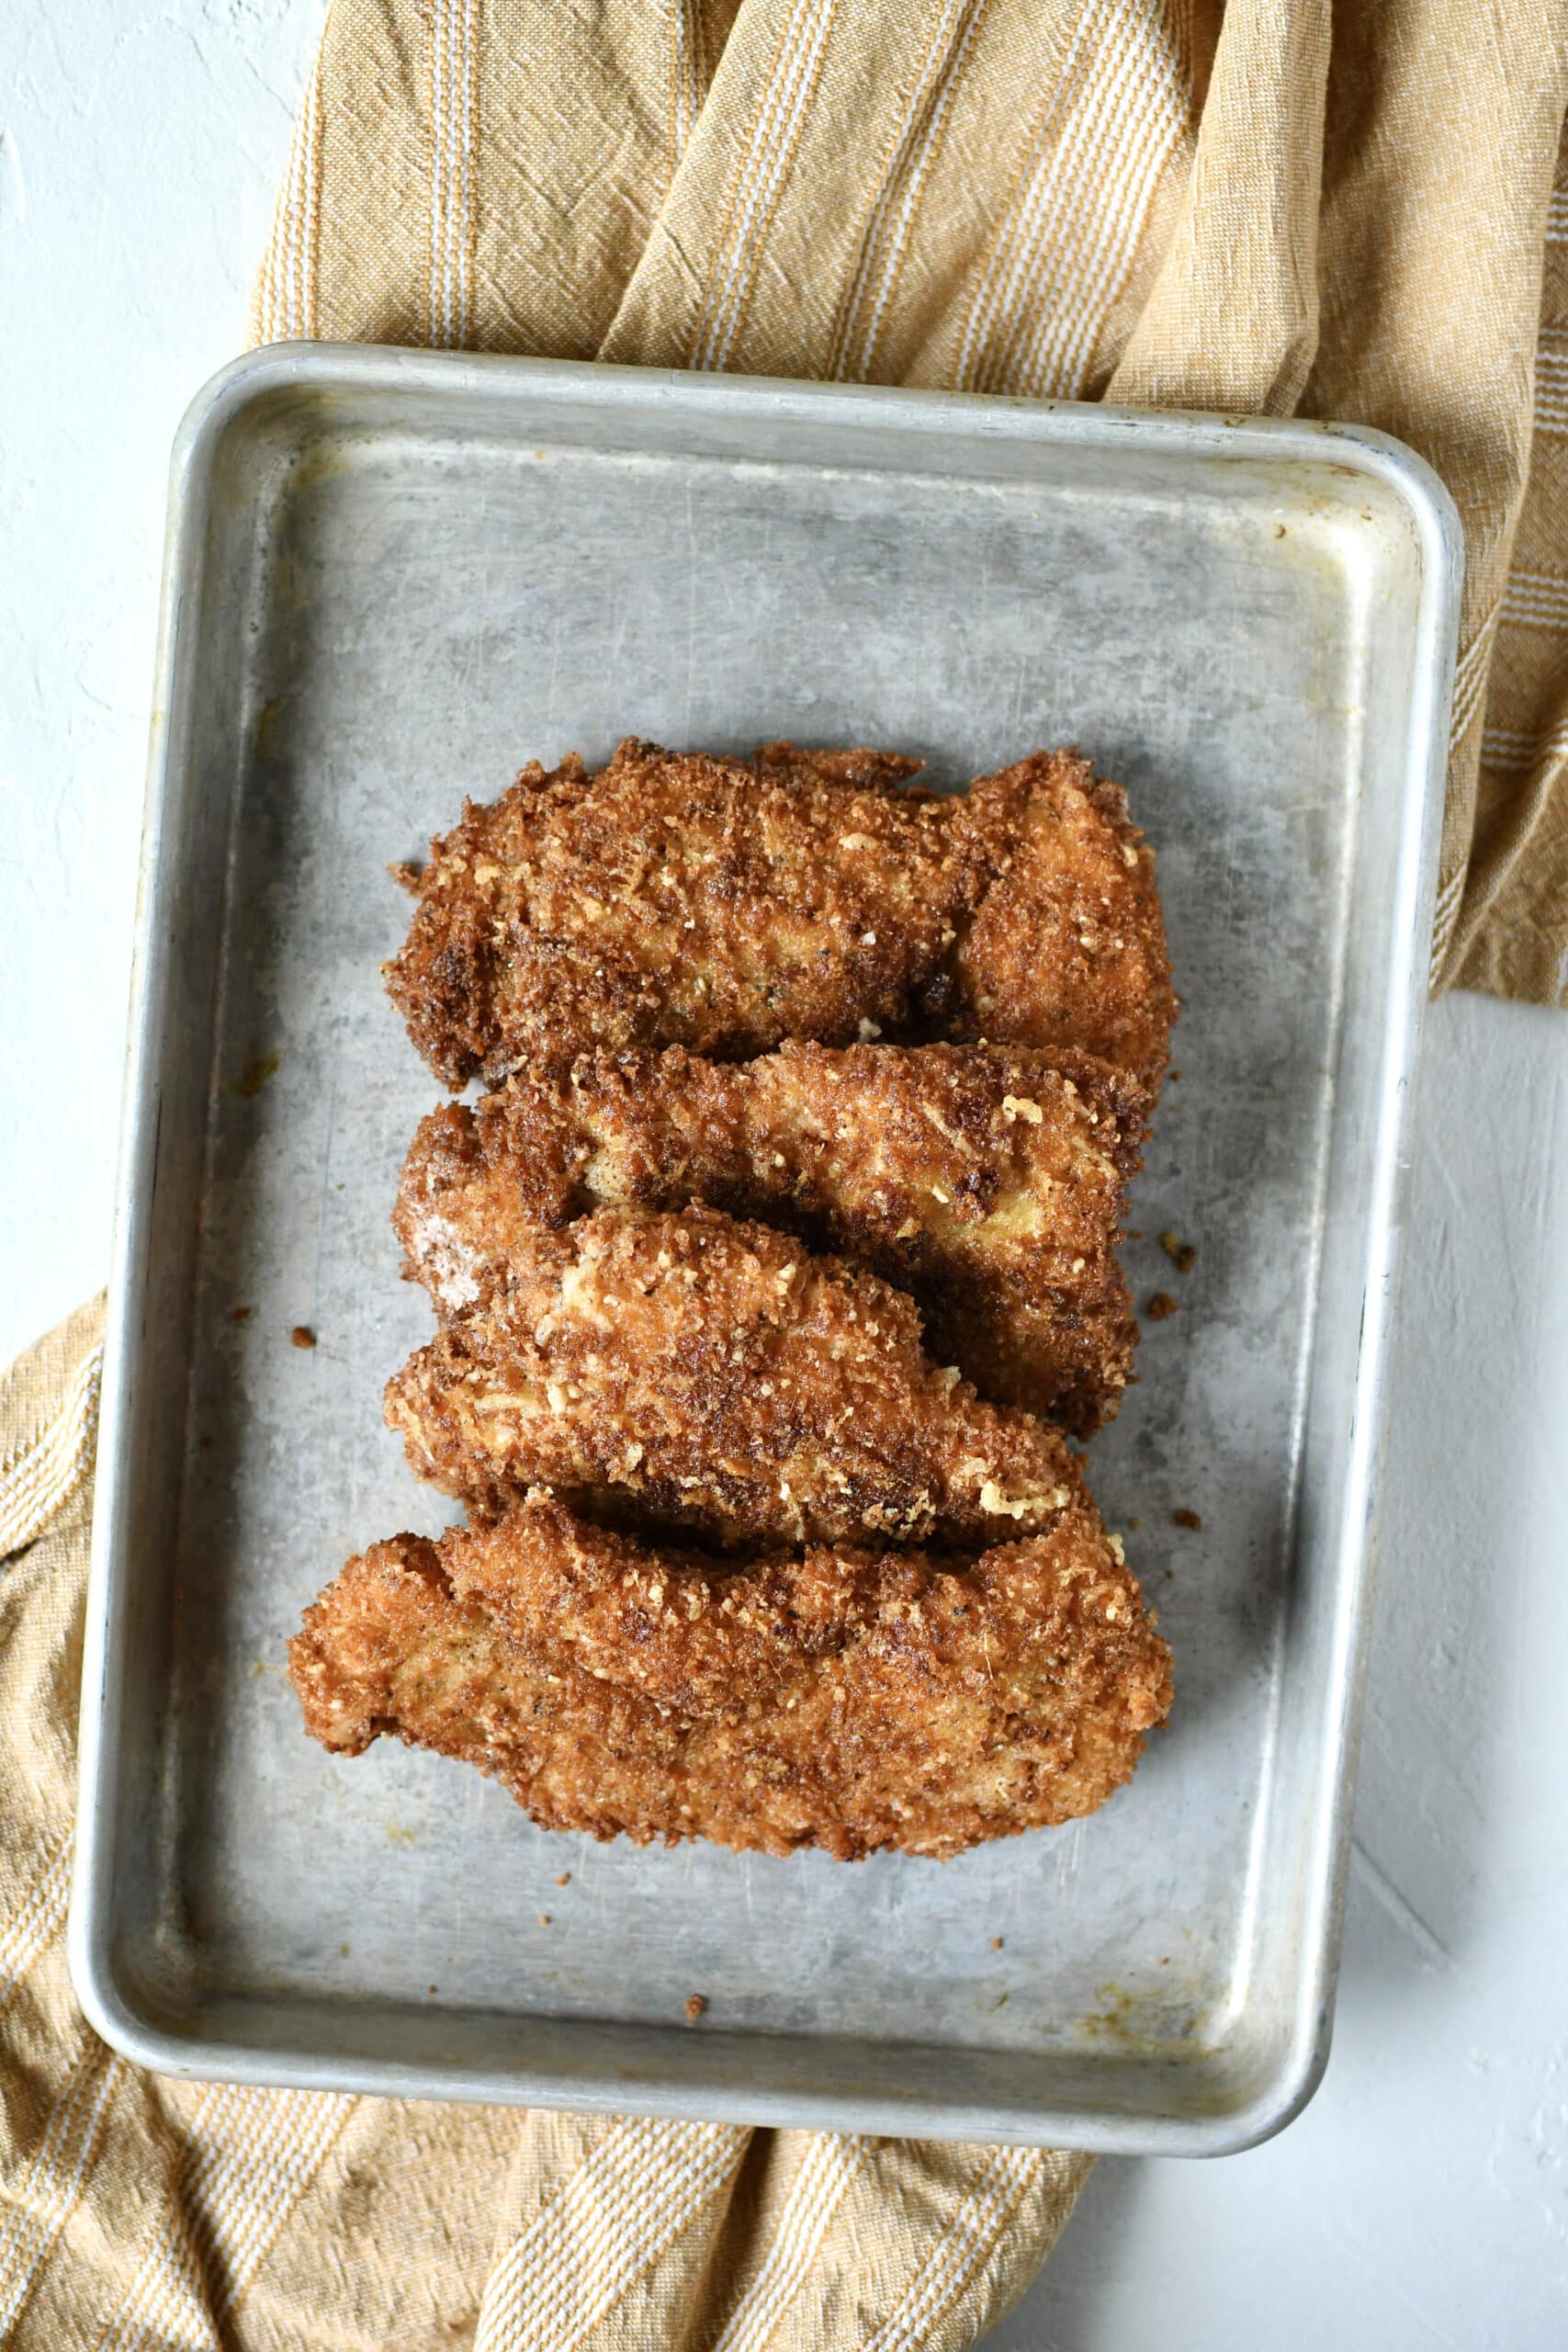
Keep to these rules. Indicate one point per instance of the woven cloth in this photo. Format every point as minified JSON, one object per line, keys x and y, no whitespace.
{"x":1273,"y":205}
{"x":139,"y":2214}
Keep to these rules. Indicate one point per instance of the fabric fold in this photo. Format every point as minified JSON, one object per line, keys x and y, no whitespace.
{"x":1278,"y":206}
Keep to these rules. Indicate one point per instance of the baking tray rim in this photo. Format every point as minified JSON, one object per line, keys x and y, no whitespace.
{"x":136,"y":2033}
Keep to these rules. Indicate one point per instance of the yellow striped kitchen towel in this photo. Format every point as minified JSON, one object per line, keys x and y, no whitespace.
{"x":1260,"y":205}
{"x":140,"y":2214}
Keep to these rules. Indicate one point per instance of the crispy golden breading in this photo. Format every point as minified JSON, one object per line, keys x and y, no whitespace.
{"x":1067,"y":945}
{"x":834,"y":1699}
{"x":987,"y":1183}
{"x":693,"y":1368}
{"x":864,"y":770}
{"x":675,"y":899}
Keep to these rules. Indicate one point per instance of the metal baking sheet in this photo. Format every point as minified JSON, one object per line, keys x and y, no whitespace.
{"x":392,"y":578}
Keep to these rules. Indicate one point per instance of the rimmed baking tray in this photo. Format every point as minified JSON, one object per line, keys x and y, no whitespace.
{"x":393,"y":576}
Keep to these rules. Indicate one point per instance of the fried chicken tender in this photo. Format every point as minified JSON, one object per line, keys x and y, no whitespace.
{"x":675,"y":899}
{"x":1066,"y":943}
{"x":832,"y":1700}
{"x":697,"y":1369}
{"x":987,"y":1183}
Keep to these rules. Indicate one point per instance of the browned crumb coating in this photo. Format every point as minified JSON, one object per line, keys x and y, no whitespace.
{"x":986,"y":1182}
{"x":693,"y":1368}
{"x":675,"y":898}
{"x":834,"y":1699}
{"x":863,"y":770}
{"x":1067,"y":945}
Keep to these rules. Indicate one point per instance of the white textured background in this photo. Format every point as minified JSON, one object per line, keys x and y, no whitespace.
{"x":1422,"y":2200}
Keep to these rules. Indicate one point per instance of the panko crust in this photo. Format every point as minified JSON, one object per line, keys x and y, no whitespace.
{"x":708,"y":1372}
{"x":837,"y":1699}
{"x":1067,"y":945}
{"x":678,"y":898}
{"x":863,"y":770}
{"x":988,"y":1183}
{"x":675,"y":899}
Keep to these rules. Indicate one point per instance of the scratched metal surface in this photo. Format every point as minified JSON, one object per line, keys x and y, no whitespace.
{"x":392,"y":579}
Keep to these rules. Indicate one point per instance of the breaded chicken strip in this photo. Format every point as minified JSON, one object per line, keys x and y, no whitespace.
{"x":833,"y":1700}
{"x":697,"y":1369}
{"x":987,"y":1183}
{"x":673,"y":899}
{"x":1066,"y":943}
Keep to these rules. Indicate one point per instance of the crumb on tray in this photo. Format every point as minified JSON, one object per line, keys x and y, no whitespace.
{"x":256,"y":1073}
